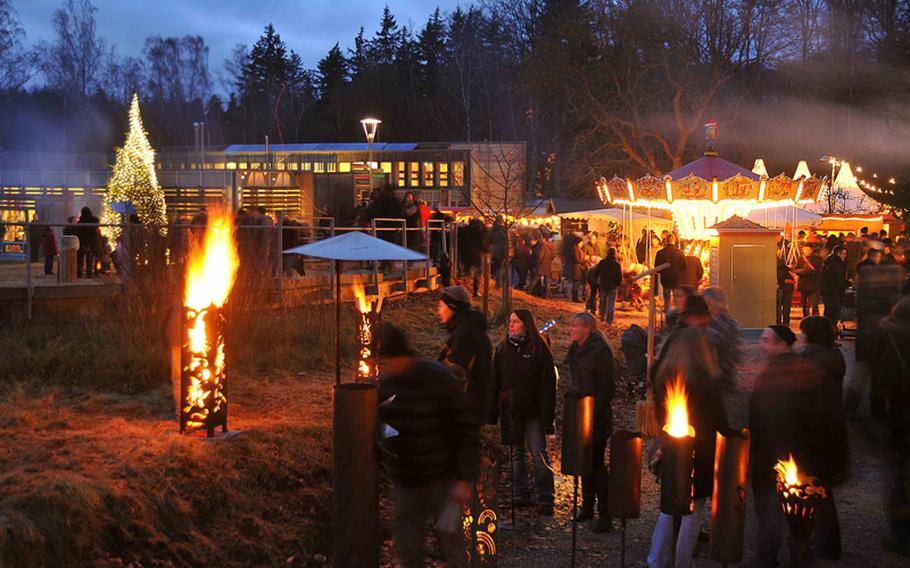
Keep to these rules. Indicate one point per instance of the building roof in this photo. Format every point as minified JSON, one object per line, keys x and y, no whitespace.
{"x":314,"y":147}
{"x":737,"y":223}
{"x":710,"y":167}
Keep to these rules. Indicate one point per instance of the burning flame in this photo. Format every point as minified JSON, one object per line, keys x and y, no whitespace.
{"x":365,"y":330}
{"x":677,"y":412}
{"x":210,"y":276}
{"x":211,"y":271}
{"x":787,"y":472}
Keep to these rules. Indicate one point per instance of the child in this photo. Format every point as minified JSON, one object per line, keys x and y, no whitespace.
{"x":50,"y":251}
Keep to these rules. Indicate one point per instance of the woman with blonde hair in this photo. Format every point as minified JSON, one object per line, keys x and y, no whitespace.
{"x":691,"y":359}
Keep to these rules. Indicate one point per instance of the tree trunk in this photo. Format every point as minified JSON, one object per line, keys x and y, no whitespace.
{"x":506,"y":288}
{"x":486,"y":285}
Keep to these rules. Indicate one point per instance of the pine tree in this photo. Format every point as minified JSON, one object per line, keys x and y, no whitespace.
{"x":133,"y":179}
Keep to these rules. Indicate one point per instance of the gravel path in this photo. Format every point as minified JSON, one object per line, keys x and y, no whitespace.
{"x":537,"y":542}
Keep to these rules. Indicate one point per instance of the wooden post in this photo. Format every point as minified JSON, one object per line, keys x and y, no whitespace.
{"x":652,"y":306}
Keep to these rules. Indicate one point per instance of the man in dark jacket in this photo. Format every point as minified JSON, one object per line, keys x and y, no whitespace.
{"x":783,"y":420}
{"x":808,"y":270}
{"x":670,"y":277}
{"x":590,"y":362}
{"x":694,"y":272}
{"x":542,"y":258}
{"x":468,"y":349}
{"x":834,"y":283}
{"x":786,"y":284}
{"x":609,"y":278}
{"x":89,"y":244}
{"x":499,"y":249}
{"x":432,"y":446}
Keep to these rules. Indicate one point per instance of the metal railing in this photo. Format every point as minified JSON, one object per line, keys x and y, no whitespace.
{"x":260,"y":246}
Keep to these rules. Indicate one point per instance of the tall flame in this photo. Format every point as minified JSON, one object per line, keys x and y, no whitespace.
{"x":363,"y":301}
{"x":211,"y":271}
{"x":787,"y":472}
{"x":677,"y":412}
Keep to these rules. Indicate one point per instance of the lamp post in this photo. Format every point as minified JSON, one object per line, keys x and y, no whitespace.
{"x":833,"y":161}
{"x":370,"y":126}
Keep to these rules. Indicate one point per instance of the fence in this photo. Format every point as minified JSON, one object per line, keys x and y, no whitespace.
{"x":260,"y":249}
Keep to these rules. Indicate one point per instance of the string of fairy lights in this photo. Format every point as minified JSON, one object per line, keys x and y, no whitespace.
{"x":866,"y":185}
{"x":133,"y":179}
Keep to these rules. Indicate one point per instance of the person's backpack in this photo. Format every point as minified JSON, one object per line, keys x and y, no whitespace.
{"x":634,"y":343}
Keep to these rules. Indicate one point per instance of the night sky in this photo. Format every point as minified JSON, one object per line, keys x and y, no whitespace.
{"x":309,"y":27}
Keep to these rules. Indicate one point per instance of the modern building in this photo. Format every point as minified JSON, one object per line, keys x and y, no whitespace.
{"x":300,"y":180}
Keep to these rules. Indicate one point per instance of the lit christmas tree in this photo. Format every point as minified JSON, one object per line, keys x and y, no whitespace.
{"x":133,"y":179}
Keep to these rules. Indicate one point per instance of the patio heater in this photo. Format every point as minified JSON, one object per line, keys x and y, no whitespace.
{"x":728,"y":502}
{"x":577,"y":449}
{"x":677,"y":444}
{"x":624,"y":487}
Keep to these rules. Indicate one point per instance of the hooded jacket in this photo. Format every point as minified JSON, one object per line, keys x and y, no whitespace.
{"x":437,"y":436}
{"x":591,"y":367}
{"x":524,"y":373}
{"x":469,"y":348}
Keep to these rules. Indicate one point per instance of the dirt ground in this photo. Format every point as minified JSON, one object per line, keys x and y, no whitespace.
{"x":101,"y":478}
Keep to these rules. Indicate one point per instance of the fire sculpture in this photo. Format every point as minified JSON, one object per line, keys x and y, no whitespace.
{"x":211,"y":269}
{"x":677,"y":444}
{"x":800,"y":496}
{"x":368,"y":324}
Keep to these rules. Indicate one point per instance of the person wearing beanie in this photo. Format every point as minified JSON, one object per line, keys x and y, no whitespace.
{"x":468,"y":349}
{"x":431,"y":449}
{"x":785,"y":415}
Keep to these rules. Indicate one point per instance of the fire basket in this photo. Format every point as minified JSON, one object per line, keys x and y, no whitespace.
{"x":368,"y":325}
{"x":800,"y":496}
{"x":728,"y":502}
{"x":677,"y":459}
{"x":203,"y":370}
{"x":624,"y":488}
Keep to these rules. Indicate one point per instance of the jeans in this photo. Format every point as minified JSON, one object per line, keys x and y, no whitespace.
{"x":784,"y":302}
{"x":832,"y":309}
{"x":536,"y":442}
{"x":596,"y":484}
{"x":607,"y":304}
{"x":591,"y":306}
{"x":659,"y":556}
{"x":772,"y":527}
{"x":48,"y":264}
{"x":86,"y":259}
{"x":809,"y":300}
{"x":577,"y":285}
{"x":411,"y":505}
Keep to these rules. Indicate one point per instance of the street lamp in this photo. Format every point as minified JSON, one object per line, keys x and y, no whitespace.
{"x":370,"y":126}
{"x":834,"y":162}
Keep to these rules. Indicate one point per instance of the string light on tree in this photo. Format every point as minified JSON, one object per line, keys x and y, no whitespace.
{"x":133,"y":179}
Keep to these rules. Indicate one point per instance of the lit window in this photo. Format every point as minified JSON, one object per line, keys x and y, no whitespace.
{"x":292,"y":166}
{"x":242,"y":165}
{"x":306,"y":166}
{"x":414,"y":170}
{"x":330,"y":167}
{"x":344,"y":167}
{"x":386,"y":167}
{"x":280,"y":166}
{"x":402,"y":179}
{"x":428,"y":180}
{"x":232,"y":165}
{"x":254,"y":165}
{"x":458,"y":174}
{"x":318,"y":167}
{"x":443,"y":174}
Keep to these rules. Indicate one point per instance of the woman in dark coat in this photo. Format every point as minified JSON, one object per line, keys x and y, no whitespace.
{"x":590,"y":363}
{"x":573,"y":264}
{"x":609,"y":278}
{"x":817,"y":336}
{"x":691,"y":358}
{"x":524,"y":383}
{"x":89,"y":244}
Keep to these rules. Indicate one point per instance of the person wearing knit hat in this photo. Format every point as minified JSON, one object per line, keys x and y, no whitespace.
{"x":468,"y":349}
{"x":783,"y":420}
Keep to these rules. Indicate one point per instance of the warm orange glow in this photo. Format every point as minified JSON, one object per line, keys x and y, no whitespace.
{"x":677,"y":412}
{"x":787,"y":472}
{"x":210,"y":271}
{"x":367,"y":330}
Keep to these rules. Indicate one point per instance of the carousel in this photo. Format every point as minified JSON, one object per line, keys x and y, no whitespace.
{"x":711,"y":190}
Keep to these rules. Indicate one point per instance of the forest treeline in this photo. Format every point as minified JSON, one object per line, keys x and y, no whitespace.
{"x":594,"y":87}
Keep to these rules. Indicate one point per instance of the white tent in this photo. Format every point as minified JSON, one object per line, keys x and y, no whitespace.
{"x":780,"y":217}
{"x":846,"y":196}
{"x":759,"y":168}
{"x":802,"y":170}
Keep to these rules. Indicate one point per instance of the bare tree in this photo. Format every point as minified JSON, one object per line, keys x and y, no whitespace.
{"x":178,"y":68}
{"x":16,"y":64}
{"x":74,"y":62}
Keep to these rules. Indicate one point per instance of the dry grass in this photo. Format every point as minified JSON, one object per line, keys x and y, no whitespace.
{"x":93,"y":471}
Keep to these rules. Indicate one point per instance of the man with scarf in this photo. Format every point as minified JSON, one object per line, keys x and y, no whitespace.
{"x":468,"y":349}
{"x":524,"y":383}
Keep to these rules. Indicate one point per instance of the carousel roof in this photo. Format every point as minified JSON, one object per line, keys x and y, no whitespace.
{"x":711,"y":167}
